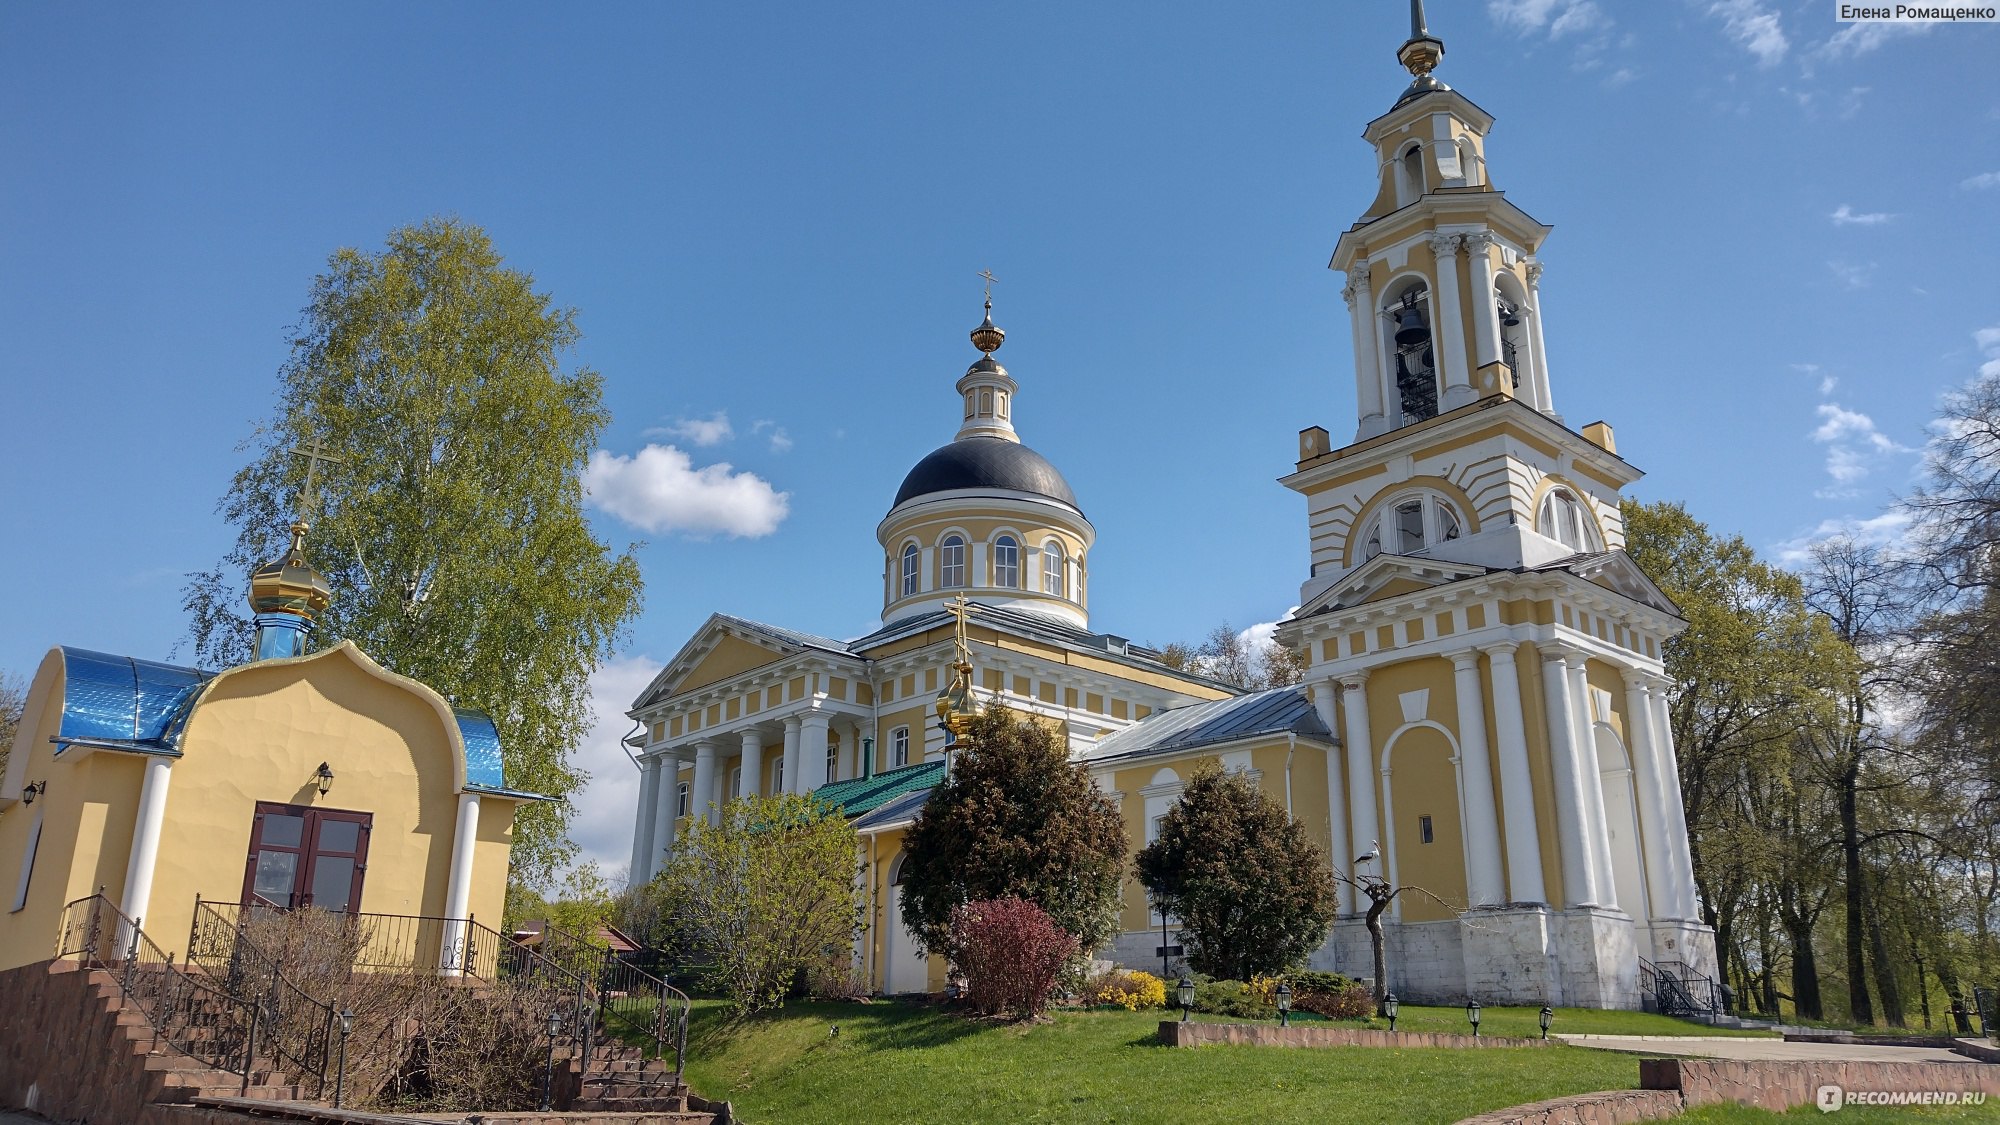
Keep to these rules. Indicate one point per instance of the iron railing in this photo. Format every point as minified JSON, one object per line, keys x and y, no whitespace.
{"x":626,"y":996}
{"x":1678,"y":989}
{"x":1987,"y":1003}
{"x":188,"y":1012}
{"x":297,"y":1028}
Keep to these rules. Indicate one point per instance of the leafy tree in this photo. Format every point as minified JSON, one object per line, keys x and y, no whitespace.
{"x":1014,"y":817}
{"x":1226,"y":655}
{"x":452,"y":527}
{"x":1252,"y":891}
{"x":13,"y":701}
{"x":1011,"y":953}
{"x":583,"y":902}
{"x":761,"y":896}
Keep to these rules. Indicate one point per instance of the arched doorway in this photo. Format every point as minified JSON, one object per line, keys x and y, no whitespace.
{"x":905,"y":967}
{"x":1425,"y":830}
{"x":1621,"y":823}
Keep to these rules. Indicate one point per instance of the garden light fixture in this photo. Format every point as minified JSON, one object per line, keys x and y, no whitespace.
{"x":1472,"y":1014}
{"x":340,"y":1075}
{"x":1186,"y":997}
{"x":549,"y":1076}
{"x":1389,"y":1006}
{"x":1548,"y":1016}
{"x":1284,"y":1004}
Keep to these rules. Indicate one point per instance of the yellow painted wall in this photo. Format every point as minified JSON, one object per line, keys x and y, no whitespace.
{"x":733,"y":656}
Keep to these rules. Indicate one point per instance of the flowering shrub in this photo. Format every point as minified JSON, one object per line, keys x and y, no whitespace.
{"x":1010,"y":953}
{"x":1129,"y":990}
{"x":1331,"y":995}
{"x":1264,"y":989}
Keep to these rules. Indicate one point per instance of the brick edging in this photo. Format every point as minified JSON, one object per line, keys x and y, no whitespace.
{"x":1193,"y":1033}
{"x":1604,"y":1107}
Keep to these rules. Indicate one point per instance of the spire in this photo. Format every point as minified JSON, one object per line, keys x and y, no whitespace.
{"x":1420,"y":55}
{"x":285,"y":595}
{"x":986,"y":387}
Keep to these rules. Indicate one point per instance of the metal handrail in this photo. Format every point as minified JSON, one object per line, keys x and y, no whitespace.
{"x":626,"y":995}
{"x":297,"y":1026}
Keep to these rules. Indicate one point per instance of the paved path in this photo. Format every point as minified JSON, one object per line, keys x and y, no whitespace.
{"x":1725,"y":1047}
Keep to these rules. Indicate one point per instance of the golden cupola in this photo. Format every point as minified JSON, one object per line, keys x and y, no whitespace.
{"x":285,"y":596}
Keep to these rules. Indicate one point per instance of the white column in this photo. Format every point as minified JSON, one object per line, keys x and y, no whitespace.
{"x":791,"y":779}
{"x":1484,"y":883}
{"x":703,"y":791}
{"x":666,"y":809}
{"x":1485,"y":311}
{"x":753,"y":761}
{"x":1595,"y":824}
{"x":1680,"y":853}
{"x":642,"y":823}
{"x":1538,"y":353}
{"x":850,"y":743}
{"x":1448,"y":339}
{"x":145,"y":845}
{"x":1360,"y":770}
{"x":1336,"y":798}
{"x":1579,"y":883}
{"x":1517,"y":785}
{"x":812,"y":750}
{"x":458,"y":889}
{"x":1369,"y":395}
{"x":1653,"y":815}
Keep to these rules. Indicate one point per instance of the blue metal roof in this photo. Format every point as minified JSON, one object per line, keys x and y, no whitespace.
{"x":1285,"y":710}
{"x":484,"y":768}
{"x":125,"y":702}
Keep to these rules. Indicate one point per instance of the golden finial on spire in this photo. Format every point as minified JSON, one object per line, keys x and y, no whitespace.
{"x":987,"y":337}
{"x":291,"y":584}
{"x":1420,"y":55}
{"x":955,"y":705}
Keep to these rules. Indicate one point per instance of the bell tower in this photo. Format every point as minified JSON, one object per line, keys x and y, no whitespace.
{"x":1442,"y":275}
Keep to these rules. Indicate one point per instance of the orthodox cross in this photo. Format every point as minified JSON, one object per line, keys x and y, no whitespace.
{"x":958,"y":611}
{"x":314,"y":451}
{"x":990,"y":279}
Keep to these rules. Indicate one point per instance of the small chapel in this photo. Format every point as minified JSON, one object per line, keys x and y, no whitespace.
{"x":1483,"y":718}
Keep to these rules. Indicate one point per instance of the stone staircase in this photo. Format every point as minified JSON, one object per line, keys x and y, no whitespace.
{"x":174,"y":1075}
{"x":621,"y":1079}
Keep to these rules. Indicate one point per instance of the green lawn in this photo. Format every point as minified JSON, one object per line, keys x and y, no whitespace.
{"x":1526,"y":1022}
{"x":908,"y":1063}
{"x":1852,"y":1115}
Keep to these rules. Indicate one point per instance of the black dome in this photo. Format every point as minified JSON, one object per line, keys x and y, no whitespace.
{"x":985,"y":462}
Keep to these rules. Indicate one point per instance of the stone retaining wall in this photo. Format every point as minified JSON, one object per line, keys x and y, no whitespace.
{"x":1606,"y":1107}
{"x":1778,"y":1086}
{"x":1195,"y":1033}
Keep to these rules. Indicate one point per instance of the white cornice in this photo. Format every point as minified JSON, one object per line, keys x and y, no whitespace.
{"x":1382,"y":449}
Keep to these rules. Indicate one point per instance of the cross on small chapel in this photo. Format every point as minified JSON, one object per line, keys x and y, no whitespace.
{"x":990,"y":279}
{"x":314,"y":451}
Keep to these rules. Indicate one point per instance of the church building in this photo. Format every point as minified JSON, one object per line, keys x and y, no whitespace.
{"x":1483,"y":720}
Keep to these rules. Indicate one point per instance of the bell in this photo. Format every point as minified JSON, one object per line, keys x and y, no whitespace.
{"x":1410,"y":328}
{"x":1510,"y":315}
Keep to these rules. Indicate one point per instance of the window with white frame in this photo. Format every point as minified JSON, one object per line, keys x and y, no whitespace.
{"x":683,"y":807}
{"x":951,"y":562}
{"x":778,"y":774}
{"x":899,"y":748}
{"x":1410,"y":526}
{"x":736,"y":782}
{"x":911,"y":557}
{"x":1006,"y":562}
{"x":833,"y":761}
{"x":1052,"y":568}
{"x":1566,"y":519}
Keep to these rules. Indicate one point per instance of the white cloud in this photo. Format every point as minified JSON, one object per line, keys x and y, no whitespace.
{"x":1980,"y":182}
{"x":1850,"y":274}
{"x":1863,"y":36}
{"x":1620,"y":77}
{"x":712,"y":430}
{"x":607,"y":803}
{"x":1847,"y":216}
{"x":1884,"y":530}
{"x":1755,"y":27}
{"x":1560,"y":17}
{"x":1988,"y":340}
{"x":659,"y":489}
{"x":1827,"y":383}
{"x":781,"y":442}
{"x":1855,"y":448}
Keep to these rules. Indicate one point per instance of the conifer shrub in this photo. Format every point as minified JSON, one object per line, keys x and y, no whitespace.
{"x":1331,"y":995}
{"x":1010,"y":952}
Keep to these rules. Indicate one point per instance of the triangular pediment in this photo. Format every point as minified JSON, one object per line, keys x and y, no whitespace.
{"x":729,"y":646}
{"x":1615,"y":571}
{"x":1389,"y":576}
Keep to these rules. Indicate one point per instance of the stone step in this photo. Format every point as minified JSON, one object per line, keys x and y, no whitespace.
{"x":634,"y":1090}
{"x":630,"y":1105}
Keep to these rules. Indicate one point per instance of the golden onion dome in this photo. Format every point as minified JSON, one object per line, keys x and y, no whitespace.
{"x":291,"y":584}
{"x":988,"y":336}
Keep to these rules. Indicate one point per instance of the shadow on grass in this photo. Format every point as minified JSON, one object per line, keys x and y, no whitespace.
{"x":881,"y":1025}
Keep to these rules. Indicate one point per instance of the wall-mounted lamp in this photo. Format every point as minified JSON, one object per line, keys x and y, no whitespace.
{"x":30,"y":792}
{"x":324,"y":776}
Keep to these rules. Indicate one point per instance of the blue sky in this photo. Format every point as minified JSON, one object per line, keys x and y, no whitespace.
{"x":1775,"y":247}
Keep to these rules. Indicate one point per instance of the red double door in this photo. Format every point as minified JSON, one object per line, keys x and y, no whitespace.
{"x":303,"y":856}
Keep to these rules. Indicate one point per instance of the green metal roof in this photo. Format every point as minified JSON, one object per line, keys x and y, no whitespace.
{"x":859,"y":795}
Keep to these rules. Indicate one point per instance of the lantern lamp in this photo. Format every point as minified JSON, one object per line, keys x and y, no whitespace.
{"x":1186,"y":997}
{"x":1472,"y":1016}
